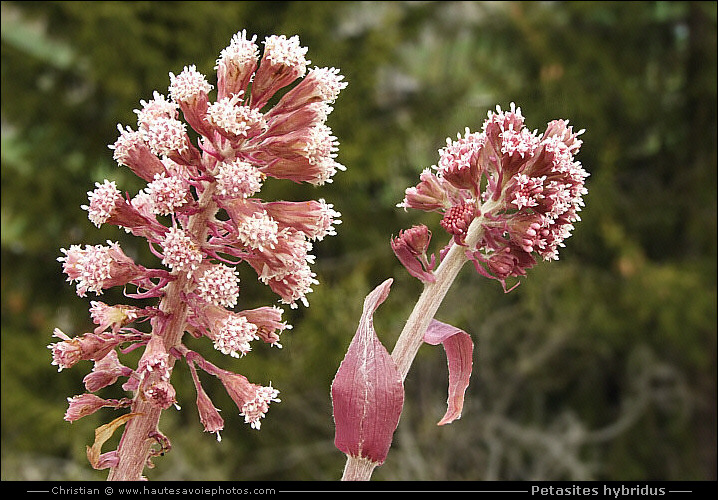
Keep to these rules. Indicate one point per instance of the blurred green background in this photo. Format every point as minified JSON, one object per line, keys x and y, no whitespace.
{"x":599,"y":366}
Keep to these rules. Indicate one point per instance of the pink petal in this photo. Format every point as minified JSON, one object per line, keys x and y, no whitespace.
{"x":459,"y":354}
{"x":367,"y":391}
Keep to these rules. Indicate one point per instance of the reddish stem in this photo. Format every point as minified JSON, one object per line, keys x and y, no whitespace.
{"x":134,"y":449}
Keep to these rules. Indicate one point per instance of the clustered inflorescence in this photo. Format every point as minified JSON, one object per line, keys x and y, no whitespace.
{"x":506,"y":194}
{"x":201,"y":216}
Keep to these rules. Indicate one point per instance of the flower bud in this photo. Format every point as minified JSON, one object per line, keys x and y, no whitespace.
{"x":90,"y":346}
{"x":86,"y":404}
{"x":161,"y":394}
{"x":208,"y":414}
{"x":430,"y":194}
{"x":105,"y":372}
{"x":410,"y":248}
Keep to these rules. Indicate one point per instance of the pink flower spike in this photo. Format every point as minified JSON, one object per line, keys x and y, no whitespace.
{"x":367,"y":391}
{"x":459,"y":353}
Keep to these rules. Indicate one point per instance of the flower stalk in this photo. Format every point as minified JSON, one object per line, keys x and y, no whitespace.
{"x":412,"y":335}
{"x":133,"y":451}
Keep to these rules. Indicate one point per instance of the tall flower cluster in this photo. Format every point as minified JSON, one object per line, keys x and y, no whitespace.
{"x":507,"y":194}
{"x":205,"y":162}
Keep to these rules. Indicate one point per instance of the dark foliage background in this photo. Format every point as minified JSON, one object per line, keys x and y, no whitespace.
{"x":600,"y":366}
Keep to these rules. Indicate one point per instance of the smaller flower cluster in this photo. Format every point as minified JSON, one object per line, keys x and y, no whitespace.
{"x":507,"y":194}
{"x":201,"y":215}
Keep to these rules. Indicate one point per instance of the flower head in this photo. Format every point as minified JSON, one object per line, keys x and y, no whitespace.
{"x":238,"y":178}
{"x":105,"y":316}
{"x":158,"y":107}
{"x":255,"y":409}
{"x":219,"y":284}
{"x":259,"y":231}
{"x":167,"y":194}
{"x":131,"y":150}
{"x":86,"y":404}
{"x":97,"y":267}
{"x":282,"y":63}
{"x":208,"y":414}
{"x":188,"y":86}
{"x":234,"y":335}
{"x":269,"y":323}
{"x":506,"y":193}
{"x":252,"y":400}
{"x":166,"y":136}
{"x":316,"y":219}
{"x":236,"y":65}
{"x":181,"y":253}
{"x":235,"y":121}
{"x":90,"y":346}
{"x":105,"y":372}
{"x":102,"y":202}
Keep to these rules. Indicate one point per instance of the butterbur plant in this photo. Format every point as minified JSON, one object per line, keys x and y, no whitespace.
{"x":204,"y":162}
{"x":507,"y":197}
